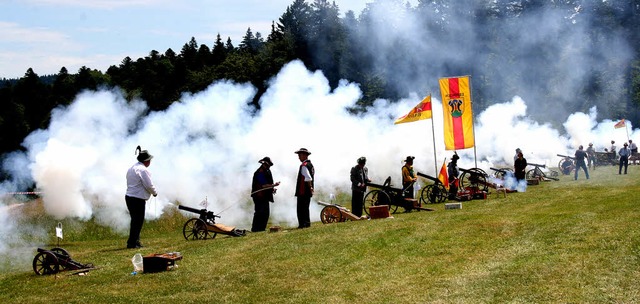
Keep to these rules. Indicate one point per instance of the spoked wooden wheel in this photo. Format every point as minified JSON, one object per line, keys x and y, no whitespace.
{"x":433,"y":194}
{"x":378,"y":198}
{"x":535,"y":174}
{"x":61,"y":254}
{"x":474,"y":178}
{"x":45,"y":262}
{"x":195,"y":229}
{"x":502,"y":174}
{"x":330,"y":214}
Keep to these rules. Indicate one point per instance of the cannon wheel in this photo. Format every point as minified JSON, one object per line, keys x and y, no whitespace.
{"x":502,"y":175}
{"x":435,"y":193}
{"x":378,"y":198}
{"x":45,"y":262}
{"x":535,"y":173}
{"x":566,"y":172}
{"x":475,"y":178}
{"x":330,"y":214}
{"x":195,"y":229}
{"x":63,"y":253}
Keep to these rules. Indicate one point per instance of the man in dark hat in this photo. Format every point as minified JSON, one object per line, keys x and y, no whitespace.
{"x":453,"y":172}
{"x":580,"y":157}
{"x":359,"y":177}
{"x":262,"y":190}
{"x":408,"y":180}
{"x":304,"y":188}
{"x":139,"y":189}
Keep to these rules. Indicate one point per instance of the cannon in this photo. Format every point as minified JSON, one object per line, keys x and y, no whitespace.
{"x":474,"y":178}
{"x":386,"y":194}
{"x":501,"y":173}
{"x":434,"y":193}
{"x":333,"y":213}
{"x":537,"y":173}
{"x":205,"y":226}
{"x":55,"y":260}
{"x":566,"y":164}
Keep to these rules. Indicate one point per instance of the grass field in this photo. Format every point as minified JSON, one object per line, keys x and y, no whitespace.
{"x":559,"y":242}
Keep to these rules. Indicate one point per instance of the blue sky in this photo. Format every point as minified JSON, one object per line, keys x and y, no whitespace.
{"x":49,"y":34}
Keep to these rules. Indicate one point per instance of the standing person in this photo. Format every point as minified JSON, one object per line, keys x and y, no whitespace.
{"x":613,"y":149}
{"x":139,"y":190}
{"x":580,"y":155}
{"x":262,"y":190}
{"x":518,"y":151}
{"x":633,"y":147}
{"x":624,"y":158}
{"x":520,"y":166}
{"x":359,"y":177}
{"x":591,"y":154}
{"x":304,"y":188}
{"x":453,"y":172}
{"x":408,"y":177}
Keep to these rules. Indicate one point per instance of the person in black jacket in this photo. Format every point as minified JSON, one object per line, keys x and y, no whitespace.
{"x":580,"y":156}
{"x":262,"y":190}
{"x":359,"y":176}
{"x":520,"y":167}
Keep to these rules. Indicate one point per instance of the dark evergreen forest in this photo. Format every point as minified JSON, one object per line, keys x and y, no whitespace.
{"x":565,"y":55}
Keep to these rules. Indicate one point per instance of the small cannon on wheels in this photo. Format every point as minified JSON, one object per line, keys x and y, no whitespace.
{"x":334,"y":213}
{"x":501,"y":173}
{"x":566,"y":164}
{"x":537,"y":173}
{"x":434,"y":193}
{"x":390,"y":196}
{"x":205,"y":226}
{"x":474,"y":179}
{"x":55,"y":260}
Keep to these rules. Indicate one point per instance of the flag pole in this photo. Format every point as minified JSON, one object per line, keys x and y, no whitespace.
{"x":475,"y":156}
{"x":626,"y":129}
{"x":433,"y":136}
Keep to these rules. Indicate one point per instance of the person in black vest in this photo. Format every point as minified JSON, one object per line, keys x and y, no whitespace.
{"x":304,"y":188}
{"x":262,"y":190}
{"x":139,"y":190}
{"x":359,"y":177}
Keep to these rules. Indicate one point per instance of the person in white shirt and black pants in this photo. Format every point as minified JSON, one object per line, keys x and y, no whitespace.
{"x":139,"y":190}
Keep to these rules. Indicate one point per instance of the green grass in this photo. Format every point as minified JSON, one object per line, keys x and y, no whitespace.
{"x":558,"y":242}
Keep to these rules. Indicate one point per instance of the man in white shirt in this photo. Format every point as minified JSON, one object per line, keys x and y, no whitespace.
{"x":139,"y":189}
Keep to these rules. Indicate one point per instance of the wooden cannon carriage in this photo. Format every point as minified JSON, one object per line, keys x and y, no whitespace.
{"x":205,"y":226}
{"x":386,"y":194}
{"x":434,"y":193}
{"x":55,"y":260}
{"x":333,"y":213}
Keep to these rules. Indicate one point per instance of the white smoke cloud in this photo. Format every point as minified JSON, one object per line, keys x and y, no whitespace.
{"x":208,"y":145}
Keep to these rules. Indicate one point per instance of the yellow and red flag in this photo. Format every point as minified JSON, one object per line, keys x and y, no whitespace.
{"x":458,"y":116}
{"x":443,"y":176}
{"x":620,"y":124}
{"x":419,"y":112}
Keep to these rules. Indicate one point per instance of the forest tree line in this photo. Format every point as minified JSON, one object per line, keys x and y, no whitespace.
{"x":350,"y":47}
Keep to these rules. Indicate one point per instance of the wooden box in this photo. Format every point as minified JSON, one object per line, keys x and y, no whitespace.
{"x":377,"y":212}
{"x":160,"y":261}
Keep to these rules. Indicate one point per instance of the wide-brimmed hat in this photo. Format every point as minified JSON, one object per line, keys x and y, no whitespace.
{"x":409,"y":158}
{"x":143,"y":155}
{"x":625,"y":144}
{"x":362,"y":160}
{"x":303,"y":150}
{"x":266,"y":160}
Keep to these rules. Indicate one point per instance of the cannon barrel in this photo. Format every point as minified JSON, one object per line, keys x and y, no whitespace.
{"x":536,"y":165}
{"x":498,"y":170}
{"x":565,"y":156}
{"x":204,"y":214}
{"x":429,"y":177}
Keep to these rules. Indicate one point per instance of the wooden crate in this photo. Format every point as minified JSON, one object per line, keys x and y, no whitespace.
{"x":377,"y":212}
